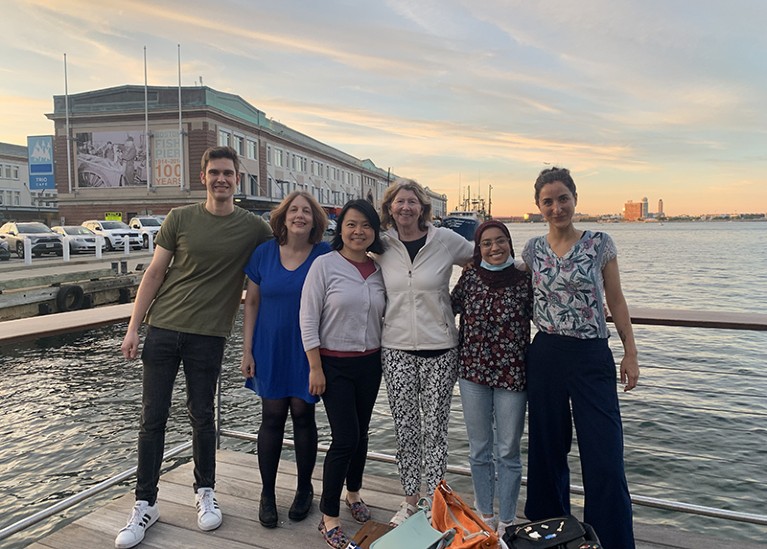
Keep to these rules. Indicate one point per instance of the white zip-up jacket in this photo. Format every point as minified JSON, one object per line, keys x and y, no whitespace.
{"x":418,"y":314}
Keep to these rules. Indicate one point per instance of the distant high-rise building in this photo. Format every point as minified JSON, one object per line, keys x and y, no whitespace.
{"x":645,"y":208}
{"x":660,"y":207}
{"x":632,"y":211}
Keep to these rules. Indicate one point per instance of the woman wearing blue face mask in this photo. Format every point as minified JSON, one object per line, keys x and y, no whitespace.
{"x":494,"y":300}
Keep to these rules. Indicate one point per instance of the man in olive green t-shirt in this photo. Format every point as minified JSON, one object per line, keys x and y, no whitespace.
{"x":189,"y":295}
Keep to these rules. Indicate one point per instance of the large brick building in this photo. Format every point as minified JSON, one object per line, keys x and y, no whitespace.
{"x":118,"y":167}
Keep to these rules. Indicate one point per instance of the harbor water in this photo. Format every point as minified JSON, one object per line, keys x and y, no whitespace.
{"x":695,"y":427}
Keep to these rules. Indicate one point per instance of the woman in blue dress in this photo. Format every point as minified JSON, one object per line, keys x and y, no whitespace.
{"x":273,"y":360}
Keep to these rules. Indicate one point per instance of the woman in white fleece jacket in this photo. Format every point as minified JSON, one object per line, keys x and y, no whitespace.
{"x":420,"y":338}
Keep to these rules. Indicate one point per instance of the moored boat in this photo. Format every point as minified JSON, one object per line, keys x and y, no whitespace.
{"x":463,"y":222}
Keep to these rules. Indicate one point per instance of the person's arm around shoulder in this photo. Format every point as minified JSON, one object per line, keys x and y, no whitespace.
{"x":250,"y":313}
{"x":616,"y":302}
{"x":147,"y":291}
{"x":461,"y":249}
{"x":263,"y":231}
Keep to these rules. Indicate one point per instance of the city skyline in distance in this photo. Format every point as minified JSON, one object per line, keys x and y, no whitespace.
{"x":636,"y":100}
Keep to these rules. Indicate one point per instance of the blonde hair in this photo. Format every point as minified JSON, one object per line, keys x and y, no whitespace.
{"x":319,"y":218}
{"x":401,"y":184}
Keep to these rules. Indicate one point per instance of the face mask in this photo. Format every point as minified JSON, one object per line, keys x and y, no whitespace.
{"x":485,"y":265}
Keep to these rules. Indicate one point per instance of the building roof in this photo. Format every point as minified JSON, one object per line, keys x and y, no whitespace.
{"x":129,"y":99}
{"x":8,"y":149}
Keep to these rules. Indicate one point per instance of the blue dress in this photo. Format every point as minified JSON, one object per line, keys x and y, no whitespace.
{"x":282,"y":369}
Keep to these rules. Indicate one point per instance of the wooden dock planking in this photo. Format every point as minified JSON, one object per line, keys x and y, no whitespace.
{"x":238,"y":490}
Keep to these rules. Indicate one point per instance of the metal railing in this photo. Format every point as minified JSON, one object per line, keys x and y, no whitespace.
{"x":736,"y":321}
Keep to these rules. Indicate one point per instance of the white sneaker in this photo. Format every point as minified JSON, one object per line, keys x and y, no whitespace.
{"x":490,"y":522}
{"x":142,"y":517}
{"x":502,"y":528}
{"x":208,"y":513}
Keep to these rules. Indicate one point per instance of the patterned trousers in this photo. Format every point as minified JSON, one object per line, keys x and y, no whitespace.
{"x":420,"y":390}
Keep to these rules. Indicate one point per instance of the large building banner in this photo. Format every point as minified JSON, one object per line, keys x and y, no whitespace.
{"x":40,"y":153}
{"x":111,"y":159}
{"x":166,"y":158}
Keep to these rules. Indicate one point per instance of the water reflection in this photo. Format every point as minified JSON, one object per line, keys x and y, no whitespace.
{"x":694,"y":428}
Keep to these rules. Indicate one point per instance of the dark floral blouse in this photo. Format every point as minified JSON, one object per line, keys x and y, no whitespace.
{"x":494,"y":330}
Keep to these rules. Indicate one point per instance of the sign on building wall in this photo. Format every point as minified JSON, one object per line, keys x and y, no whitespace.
{"x":166,"y":158}
{"x":111,"y":159}
{"x":40,"y":153}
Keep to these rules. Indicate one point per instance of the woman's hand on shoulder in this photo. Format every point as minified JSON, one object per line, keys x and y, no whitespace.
{"x":629,"y":372}
{"x":316,"y":381}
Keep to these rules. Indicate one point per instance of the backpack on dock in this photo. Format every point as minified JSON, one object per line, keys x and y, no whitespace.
{"x":554,"y":533}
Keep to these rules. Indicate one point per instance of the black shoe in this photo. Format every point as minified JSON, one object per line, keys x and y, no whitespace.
{"x":302,"y":504}
{"x":267,"y":511}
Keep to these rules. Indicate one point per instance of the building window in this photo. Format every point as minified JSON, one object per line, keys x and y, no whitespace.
{"x":268,"y":154}
{"x":252,"y":150}
{"x":238,"y":144}
{"x":7,"y":171}
{"x":16,"y":172}
{"x":253,"y":184}
{"x":278,"y":158}
{"x":224,"y":138}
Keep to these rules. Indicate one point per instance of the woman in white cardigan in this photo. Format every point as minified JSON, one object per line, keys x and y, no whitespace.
{"x":342,"y":305}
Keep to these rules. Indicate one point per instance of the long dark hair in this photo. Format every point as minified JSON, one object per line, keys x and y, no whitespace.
{"x":366,"y":209}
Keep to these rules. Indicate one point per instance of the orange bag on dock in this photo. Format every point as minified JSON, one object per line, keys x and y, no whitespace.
{"x":448,"y":511}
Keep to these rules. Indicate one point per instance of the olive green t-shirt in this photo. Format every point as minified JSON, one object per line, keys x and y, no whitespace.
{"x":203,"y":285}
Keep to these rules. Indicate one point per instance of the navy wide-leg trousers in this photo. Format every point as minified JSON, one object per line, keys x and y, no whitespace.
{"x":572,"y":380}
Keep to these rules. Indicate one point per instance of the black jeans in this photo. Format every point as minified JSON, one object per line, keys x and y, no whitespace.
{"x":164,"y":350}
{"x":351,"y":389}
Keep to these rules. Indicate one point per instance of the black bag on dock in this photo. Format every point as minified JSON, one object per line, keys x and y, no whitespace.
{"x":554,"y":533}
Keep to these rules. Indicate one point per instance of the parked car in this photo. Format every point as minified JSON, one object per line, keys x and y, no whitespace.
{"x":83,"y":240}
{"x":160,"y":217}
{"x":146,"y":225}
{"x":114,"y":232}
{"x":5,"y":251}
{"x":44,"y":240}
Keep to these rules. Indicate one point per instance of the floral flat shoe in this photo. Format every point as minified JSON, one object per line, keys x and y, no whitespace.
{"x":360,"y":511}
{"x":335,"y":537}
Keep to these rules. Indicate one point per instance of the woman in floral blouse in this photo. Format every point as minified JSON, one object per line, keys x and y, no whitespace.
{"x":570,"y":368}
{"x":494,"y":301}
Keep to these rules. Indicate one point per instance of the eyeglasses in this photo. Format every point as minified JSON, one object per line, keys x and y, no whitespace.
{"x":487,"y":244}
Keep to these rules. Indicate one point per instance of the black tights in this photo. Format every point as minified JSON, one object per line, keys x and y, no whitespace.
{"x":274,"y":414}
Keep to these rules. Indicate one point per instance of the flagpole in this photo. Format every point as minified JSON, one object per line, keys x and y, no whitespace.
{"x":66,"y":111}
{"x":180,"y":127}
{"x":147,"y":156}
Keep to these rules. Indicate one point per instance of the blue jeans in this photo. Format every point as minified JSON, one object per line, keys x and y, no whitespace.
{"x":163,"y":352}
{"x":486,"y":407}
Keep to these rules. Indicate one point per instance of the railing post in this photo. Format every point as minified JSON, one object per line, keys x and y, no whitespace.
{"x":218,"y":412}
{"x":27,"y":251}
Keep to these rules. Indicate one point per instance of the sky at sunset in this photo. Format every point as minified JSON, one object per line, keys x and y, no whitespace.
{"x":663,"y":99}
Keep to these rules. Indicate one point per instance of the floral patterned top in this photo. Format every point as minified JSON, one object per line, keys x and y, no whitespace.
{"x":494,"y":330}
{"x":568,"y":291}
